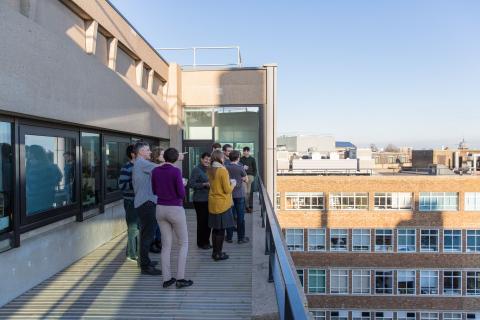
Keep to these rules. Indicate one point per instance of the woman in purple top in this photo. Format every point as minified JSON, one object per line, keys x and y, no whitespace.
{"x":168,"y":186}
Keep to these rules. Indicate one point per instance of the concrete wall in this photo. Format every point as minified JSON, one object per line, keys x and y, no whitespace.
{"x":48,"y":250}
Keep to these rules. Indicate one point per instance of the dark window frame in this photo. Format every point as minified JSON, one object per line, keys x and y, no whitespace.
{"x":109,"y":197}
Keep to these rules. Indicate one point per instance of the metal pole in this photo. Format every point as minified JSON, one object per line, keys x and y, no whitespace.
{"x":194,"y":56}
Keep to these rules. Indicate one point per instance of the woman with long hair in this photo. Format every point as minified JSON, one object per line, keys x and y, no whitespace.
{"x":219,"y":203}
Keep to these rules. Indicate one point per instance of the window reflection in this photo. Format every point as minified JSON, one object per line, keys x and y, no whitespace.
{"x":49,"y":172}
{"x":115,"y":157}
{"x":6,"y":176}
{"x":90,"y":169}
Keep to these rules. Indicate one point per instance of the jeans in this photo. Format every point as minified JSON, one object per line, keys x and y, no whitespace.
{"x":203,"y":230}
{"x":146,"y":217}
{"x":132,"y":228}
{"x":249,"y":192}
{"x":238,"y":210}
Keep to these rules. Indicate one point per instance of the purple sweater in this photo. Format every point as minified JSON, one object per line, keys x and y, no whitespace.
{"x":167,"y":185}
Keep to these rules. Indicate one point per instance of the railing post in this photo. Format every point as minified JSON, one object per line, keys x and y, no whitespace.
{"x":267,"y":238}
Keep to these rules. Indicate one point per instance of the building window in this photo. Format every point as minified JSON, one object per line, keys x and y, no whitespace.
{"x":349,"y":201}
{"x":438,"y":201}
{"x":452,"y":316}
{"x":338,"y":315}
{"x":472,"y":201}
{"x":115,"y":158}
{"x":452,"y":282}
{"x":300,"y":274}
{"x":428,"y":316}
{"x":91,"y":169}
{"x":473,"y":316}
{"x":318,"y":315}
{"x":360,"y":315}
{"x":406,"y":282}
{"x":198,"y":124}
{"x":304,"y":201}
{"x":393,"y":200}
{"x":277,"y":200}
{"x":49,"y":169}
{"x":384,"y":240}
{"x":428,"y":282}
{"x":316,"y":240}
{"x":316,"y":281}
{"x":406,"y":240}
{"x":405,"y":315}
{"x":452,"y":240}
{"x":339,"y":281}
{"x":384,"y":315}
{"x":361,"y":240}
{"x":383,"y":282}
{"x":338,"y":240}
{"x":429,"y":240}
{"x":361,"y":281}
{"x":473,"y":240}
{"x":6,"y":177}
{"x":473,"y":283}
{"x":294,"y":239}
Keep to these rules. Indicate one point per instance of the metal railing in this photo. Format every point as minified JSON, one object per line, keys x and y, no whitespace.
{"x":196,"y":50}
{"x":291,"y":299}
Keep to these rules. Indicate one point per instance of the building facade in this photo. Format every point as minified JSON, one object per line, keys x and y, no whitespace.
{"x":384,"y":247}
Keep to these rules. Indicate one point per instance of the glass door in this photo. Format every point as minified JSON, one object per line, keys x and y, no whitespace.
{"x":194,"y":150}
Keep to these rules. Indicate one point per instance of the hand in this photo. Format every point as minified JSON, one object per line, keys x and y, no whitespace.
{"x":233,"y":182}
{"x":206,"y":184}
{"x":181,"y":157}
{"x":245,"y":167}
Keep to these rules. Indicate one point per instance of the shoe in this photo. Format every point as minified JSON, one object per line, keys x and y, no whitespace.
{"x":205,"y":247}
{"x":249,"y":210}
{"x":168,"y":283}
{"x":155,"y":249}
{"x":244,"y":240}
{"x":183,"y":283}
{"x":132,"y":259}
{"x":151,"y":271}
{"x":219,"y":257}
{"x":229,"y":240}
{"x":153,"y":263}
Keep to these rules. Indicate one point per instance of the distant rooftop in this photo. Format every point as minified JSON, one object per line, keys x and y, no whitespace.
{"x":344,"y":144}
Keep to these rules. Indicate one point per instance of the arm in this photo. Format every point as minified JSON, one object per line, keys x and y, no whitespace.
{"x":244,"y":175}
{"x":154,"y":183}
{"x":225,"y":182}
{"x":179,"y":185}
{"x":148,"y":166}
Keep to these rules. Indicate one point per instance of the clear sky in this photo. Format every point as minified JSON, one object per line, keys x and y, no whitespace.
{"x":405,"y":72}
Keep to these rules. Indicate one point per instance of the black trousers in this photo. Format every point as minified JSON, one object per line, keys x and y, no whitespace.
{"x":203,"y":230}
{"x":147,"y":221}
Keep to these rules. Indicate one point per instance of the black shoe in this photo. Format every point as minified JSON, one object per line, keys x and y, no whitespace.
{"x":205,"y":247}
{"x":184,"y":283}
{"x":219,"y":257}
{"x":151,"y":271}
{"x":153,"y":263}
{"x":168,"y":283}
{"x":229,"y":240}
{"x":155,"y":249}
{"x":244,"y":240}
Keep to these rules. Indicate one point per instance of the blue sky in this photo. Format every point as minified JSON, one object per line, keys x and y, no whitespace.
{"x":405,"y":72}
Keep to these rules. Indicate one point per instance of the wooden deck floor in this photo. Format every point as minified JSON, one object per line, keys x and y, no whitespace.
{"x":105,"y":285}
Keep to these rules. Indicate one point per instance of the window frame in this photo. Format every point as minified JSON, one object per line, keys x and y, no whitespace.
{"x":449,"y":316}
{"x":476,"y":236}
{"x":436,"y":276}
{"x":362,"y":234}
{"x":429,"y":235}
{"x":294,"y":236}
{"x":476,"y":201}
{"x":346,"y":195}
{"x":422,"y":206}
{"x":100,"y":206}
{"x":476,"y":278}
{"x":384,"y":276}
{"x":110,"y":197}
{"x":403,"y":315}
{"x":386,"y":195}
{"x":449,"y":250}
{"x":407,"y":236}
{"x":334,"y":248}
{"x":378,"y":248}
{"x":364,"y":273}
{"x":319,"y":196}
{"x":455,"y":291}
{"x":340,"y":275}
{"x":399,"y":290}
{"x":316,"y":236}
{"x":310,"y":274}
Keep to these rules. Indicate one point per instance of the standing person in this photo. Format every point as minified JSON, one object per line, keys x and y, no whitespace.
{"x":219,"y":203}
{"x":144,"y":203}
{"x":216,"y":146}
{"x":227,"y":148}
{"x":126,"y":185}
{"x":168,"y":186}
{"x":251,"y":167}
{"x":200,"y":185}
{"x":156,"y":247}
{"x":237,"y":172}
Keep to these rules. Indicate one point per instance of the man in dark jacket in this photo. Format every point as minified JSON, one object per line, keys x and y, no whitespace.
{"x":251,"y":167}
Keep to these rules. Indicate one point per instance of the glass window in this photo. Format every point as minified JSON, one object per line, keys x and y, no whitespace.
{"x":6,"y":177}
{"x":360,"y":315}
{"x":91,"y":168}
{"x":406,"y":315}
{"x":428,"y":316}
{"x":361,"y":281}
{"x":452,"y":240}
{"x":338,"y":240}
{"x":294,"y":239}
{"x":339,"y":281}
{"x":300,"y":274}
{"x":473,"y":316}
{"x":383,"y":282}
{"x":428,"y":240}
{"x":384,"y":315}
{"x":361,"y":240}
{"x":198,"y":124}
{"x":277,"y":200}
{"x":393,"y":200}
{"x":318,"y":315}
{"x":115,"y":158}
{"x":406,"y":240}
{"x":452,"y":316}
{"x":473,"y":283}
{"x":50,"y":177}
{"x":316,"y":240}
{"x":452,"y":282}
{"x":473,"y":240}
{"x":338,"y":315}
{"x":349,"y":201}
{"x":428,"y":282}
{"x":304,"y":201}
{"x":384,"y":240}
{"x":316,"y":281}
{"x":438,"y":201}
{"x":406,"y":282}
{"x":472,"y":201}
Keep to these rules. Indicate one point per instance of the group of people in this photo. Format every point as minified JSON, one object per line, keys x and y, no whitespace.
{"x":154,"y":191}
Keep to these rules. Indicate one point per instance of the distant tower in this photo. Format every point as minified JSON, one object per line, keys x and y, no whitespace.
{"x":462,"y":145}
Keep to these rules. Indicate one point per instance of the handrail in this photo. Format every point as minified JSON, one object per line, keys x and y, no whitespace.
{"x":195,"y":51}
{"x":291,"y":300}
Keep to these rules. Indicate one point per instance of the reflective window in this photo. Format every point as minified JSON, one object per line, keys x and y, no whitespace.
{"x":406,"y":282}
{"x":361,"y":281}
{"x":452,"y":240}
{"x":304,"y":201}
{"x":300,"y":274}
{"x":452,"y":282}
{"x":294,"y":238}
{"x":316,"y":281}
{"x":361,"y":240}
{"x":452,"y":316}
{"x":316,"y":240}
{"x":115,"y":158}
{"x":91,"y":168}
{"x":406,"y":240}
{"x":360,"y":315}
{"x":428,"y":316}
{"x":338,"y":240}
{"x":6,"y":177}
{"x":384,"y":240}
{"x":405,"y":315}
{"x":393,"y":200}
{"x":384,"y":315}
{"x":318,"y":315}
{"x":473,"y":283}
{"x":438,"y":201}
{"x":49,"y":172}
{"x":383,"y":282}
{"x":339,"y":281}
{"x":428,"y":282}
{"x":473,"y":240}
{"x":198,"y":124}
{"x":429,"y":240}
{"x":472,"y":201}
{"x":339,"y":315}
{"x":349,"y":201}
